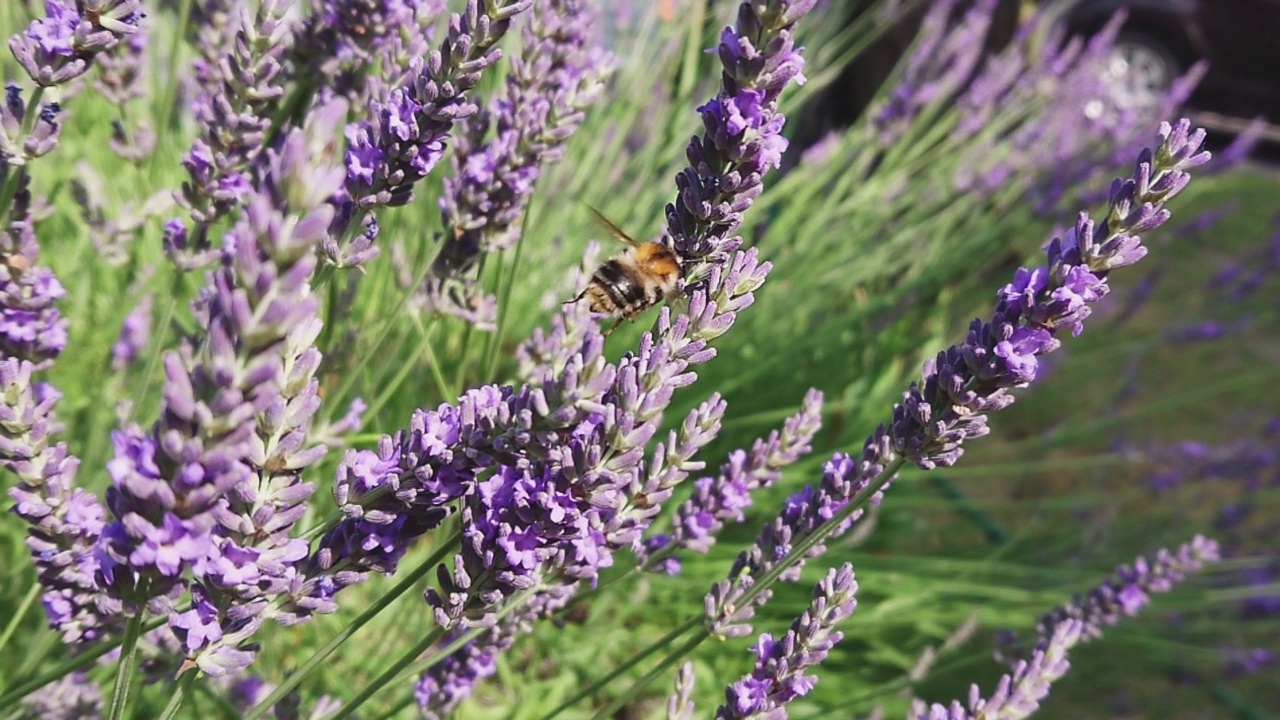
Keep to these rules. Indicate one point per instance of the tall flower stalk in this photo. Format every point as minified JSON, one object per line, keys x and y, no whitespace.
{"x":557,"y":77}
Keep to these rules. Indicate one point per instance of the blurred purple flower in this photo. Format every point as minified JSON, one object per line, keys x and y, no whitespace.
{"x":557,"y":77}
{"x":134,"y":335}
{"x":59,"y":47}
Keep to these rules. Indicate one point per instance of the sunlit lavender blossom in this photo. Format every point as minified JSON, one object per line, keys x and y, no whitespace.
{"x":680,"y":705}
{"x":238,"y":92}
{"x":18,"y":148}
{"x":780,"y":664}
{"x":231,"y":441}
{"x":60,"y":46}
{"x":721,"y":499}
{"x":967,"y":381}
{"x":554,"y":81}
{"x":405,"y":134}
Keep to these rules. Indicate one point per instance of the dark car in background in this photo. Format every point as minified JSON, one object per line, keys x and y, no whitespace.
{"x":1161,"y":39}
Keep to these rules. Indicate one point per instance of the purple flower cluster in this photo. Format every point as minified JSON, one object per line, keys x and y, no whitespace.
{"x":122,"y":78}
{"x":743,"y":130}
{"x":721,"y":499}
{"x":341,"y":42}
{"x":1019,"y":693}
{"x":72,"y":697}
{"x":134,"y":335}
{"x":237,"y":92}
{"x":780,"y":664}
{"x":1129,"y":590}
{"x":551,"y":85}
{"x":216,"y":486}
{"x":969,"y":380}
{"x":65,"y":521}
{"x":943,"y":59}
{"x":31,"y":327}
{"x":17,"y":147}
{"x":406,"y":133}
{"x":59,"y":47}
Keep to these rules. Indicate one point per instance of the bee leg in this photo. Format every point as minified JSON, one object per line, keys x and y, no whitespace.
{"x":615,"y":326}
{"x":579,"y":297}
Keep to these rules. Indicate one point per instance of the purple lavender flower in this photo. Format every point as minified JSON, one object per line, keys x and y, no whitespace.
{"x":134,"y":335}
{"x":406,"y":133}
{"x":555,"y":80}
{"x":122,"y":78}
{"x":967,"y":381}
{"x":238,"y":90}
{"x":1129,"y":590}
{"x":59,"y":47}
{"x":680,"y":705}
{"x":65,"y":521}
{"x":1019,"y":693}
{"x":17,"y":148}
{"x":71,"y":697}
{"x":780,"y":664}
{"x":944,"y":57}
{"x":232,"y":440}
{"x":717,"y":500}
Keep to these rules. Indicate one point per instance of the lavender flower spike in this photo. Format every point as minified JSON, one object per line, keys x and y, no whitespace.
{"x":406,"y":133}
{"x":60,"y":46}
{"x":1129,"y":590}
{"x":780,"y":664}
{"x":680,"y":705}
{"x":1019,"y":693}
{"x":967,"y":381}
{"x":551,"y":85}
{"x":237,"y":95}
{"x":717,"y":500}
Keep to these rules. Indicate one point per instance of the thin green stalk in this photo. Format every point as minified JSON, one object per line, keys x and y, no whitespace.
{"x":654,"y":674}
{"x":494,"y":341}
{"x":179,"y":694}
{"x":165,"y":111}
{"x":403,"y":703}
{"x":336,"y":641}
{"x":78,"y":662}
{"x":18,"y":614}
{"x":124,"y":671}
{"x":390,"y":673}
{"x":654,"y":647}
{"x":14,"y":177}
{"x":158,"y":344}
{"x":397,"y":668}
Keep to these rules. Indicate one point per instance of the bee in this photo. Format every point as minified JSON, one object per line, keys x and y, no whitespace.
{"x":633,"y":281}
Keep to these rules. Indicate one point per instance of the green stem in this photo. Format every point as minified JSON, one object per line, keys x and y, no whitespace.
{"x":14,"y":177}
{"x":82,"y":660}
{"x":336,"y":641}
{"x":124,"y":671}
{"x":19,"y":614}
{"x":654,"y":674}
{"x":171,"y":87}
{"x":403,"y":703}
{"x":179,"y":694}
{"x":390,"y":674}
{"x":664,"y":641}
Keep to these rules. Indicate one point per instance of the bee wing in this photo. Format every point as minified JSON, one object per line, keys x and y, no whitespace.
{"x":607,"y":224}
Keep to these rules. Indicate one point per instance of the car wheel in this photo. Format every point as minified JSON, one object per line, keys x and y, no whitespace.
{"x":1139,"y":70}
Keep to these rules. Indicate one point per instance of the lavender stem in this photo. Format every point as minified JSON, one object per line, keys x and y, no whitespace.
{"x":124,"y":671}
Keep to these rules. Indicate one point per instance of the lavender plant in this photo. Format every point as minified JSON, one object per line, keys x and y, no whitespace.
{"x":537,"y":481}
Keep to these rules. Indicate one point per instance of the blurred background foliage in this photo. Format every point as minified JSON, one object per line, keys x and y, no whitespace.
{"x":900,"y":213}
